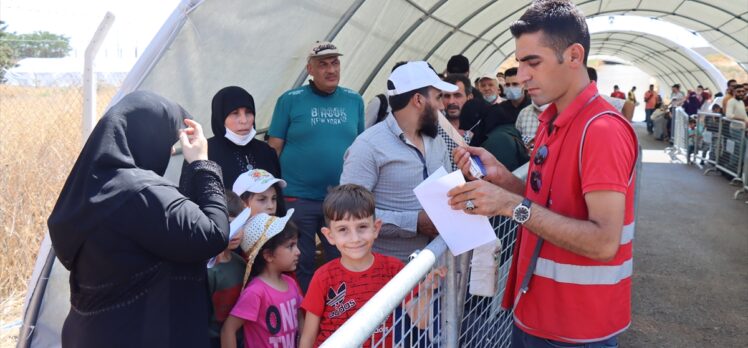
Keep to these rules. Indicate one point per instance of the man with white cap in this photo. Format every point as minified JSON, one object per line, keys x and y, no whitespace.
{"x":312,"y":127}
{"x":488,"y":86}
{"x":392,"y":157}
{"x":490,"y":113}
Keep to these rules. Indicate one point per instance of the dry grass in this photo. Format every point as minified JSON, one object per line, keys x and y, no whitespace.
{"x":39,"y":142}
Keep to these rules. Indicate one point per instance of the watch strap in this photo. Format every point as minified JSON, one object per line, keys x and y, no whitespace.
{"x":526,"y":202}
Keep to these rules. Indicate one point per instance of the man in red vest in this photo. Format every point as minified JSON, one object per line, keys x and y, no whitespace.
{"x":570,"y":281}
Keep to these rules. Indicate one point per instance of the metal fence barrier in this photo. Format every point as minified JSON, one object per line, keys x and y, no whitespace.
{"x":680,"y":133}
{"x":732,"y":148}
{"x":708,"y":144}
{"x":744,"y":189}
{"x":407,"y":312}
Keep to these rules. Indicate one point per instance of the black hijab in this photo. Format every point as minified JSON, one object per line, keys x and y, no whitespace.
{"x":127,"y":151}
{"x":224,"y":102}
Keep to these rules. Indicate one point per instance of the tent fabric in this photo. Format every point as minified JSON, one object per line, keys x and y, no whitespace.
{"x":262,"y":46}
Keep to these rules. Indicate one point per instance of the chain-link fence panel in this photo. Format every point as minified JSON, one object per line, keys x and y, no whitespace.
{"x":41,"y":127}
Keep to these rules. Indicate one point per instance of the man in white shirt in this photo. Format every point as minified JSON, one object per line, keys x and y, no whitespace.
{"x":677,"y":97}
{"x":735,"y":107}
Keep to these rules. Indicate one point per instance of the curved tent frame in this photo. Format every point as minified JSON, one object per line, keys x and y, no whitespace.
{"x":261,"y":45}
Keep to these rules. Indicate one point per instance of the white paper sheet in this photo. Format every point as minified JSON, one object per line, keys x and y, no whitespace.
{"x":234,"y":228}
{"x":461,"y":232}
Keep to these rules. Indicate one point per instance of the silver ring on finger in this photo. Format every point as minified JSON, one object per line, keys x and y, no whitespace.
{"x":469,"y":205}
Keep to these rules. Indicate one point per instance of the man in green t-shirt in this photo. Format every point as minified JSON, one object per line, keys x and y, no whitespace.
{"x":312,"y":127}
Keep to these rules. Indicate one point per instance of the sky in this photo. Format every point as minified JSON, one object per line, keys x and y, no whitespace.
{"x":135,"y":24}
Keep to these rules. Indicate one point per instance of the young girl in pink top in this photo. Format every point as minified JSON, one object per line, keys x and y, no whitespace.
{"x":268,"y":308}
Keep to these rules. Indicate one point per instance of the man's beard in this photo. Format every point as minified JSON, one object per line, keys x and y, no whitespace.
{"x":429,"y":122}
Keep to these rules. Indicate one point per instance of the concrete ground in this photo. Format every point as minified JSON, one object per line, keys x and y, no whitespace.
{"x":690,"y":258}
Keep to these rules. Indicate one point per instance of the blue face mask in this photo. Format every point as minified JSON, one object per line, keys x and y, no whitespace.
{"x":490,"y":98}
{"x":513,"y":93}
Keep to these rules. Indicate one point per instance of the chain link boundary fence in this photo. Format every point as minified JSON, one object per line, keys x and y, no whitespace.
{"x":463,"y":311}
{"x":41,"y":138}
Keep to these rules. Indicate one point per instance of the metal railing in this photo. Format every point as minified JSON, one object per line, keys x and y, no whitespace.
{"x":732,"y":148}
{"x":744,"y":189}
{"x":680,"y":133}
{"x":709,"y":126}
{"x":721,"y":147}
{"x":407,"y":312}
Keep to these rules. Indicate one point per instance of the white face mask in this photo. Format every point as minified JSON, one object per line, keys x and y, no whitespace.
{"x":490,"y":98}
{"x":513,"y":93}
{"x":240,"y":140}
{"x":540,"y":108}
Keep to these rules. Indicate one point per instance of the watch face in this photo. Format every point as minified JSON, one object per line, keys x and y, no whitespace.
{"x":521,"y":214}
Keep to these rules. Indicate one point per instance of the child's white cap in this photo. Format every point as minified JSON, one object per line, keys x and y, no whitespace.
{"x":255,"y":181}
{"x":259,"y":230}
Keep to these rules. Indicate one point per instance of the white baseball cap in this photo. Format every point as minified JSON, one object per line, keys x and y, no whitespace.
{"x":323,"y":49}
{"x":488,"y":76}
{"x":414,"y":75}
{"x":255,"y":181}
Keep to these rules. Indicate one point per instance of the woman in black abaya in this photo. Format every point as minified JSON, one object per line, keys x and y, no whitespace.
{"x":134,"y":244}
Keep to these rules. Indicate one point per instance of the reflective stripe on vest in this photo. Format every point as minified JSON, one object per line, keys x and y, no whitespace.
{"x":588,"y":275}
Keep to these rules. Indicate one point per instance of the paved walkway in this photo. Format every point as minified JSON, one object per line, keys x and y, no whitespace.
{"x":690,"y":258}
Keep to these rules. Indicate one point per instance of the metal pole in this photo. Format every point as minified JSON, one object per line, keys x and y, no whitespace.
{"x":89,"y":81}
{"x":451,"y":329}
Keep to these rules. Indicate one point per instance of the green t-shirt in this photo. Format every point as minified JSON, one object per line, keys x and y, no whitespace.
{"x":224,"y":286}
{"x":317,"y":131}
{"x":505,"y":143}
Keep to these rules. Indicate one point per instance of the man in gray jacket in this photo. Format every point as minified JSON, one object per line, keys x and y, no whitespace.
{"x":392,"y":157}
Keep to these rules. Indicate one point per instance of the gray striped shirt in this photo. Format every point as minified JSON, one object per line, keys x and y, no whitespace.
{"x":382,"y":160}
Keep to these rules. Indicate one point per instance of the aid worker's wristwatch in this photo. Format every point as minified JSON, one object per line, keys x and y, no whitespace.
{"x":522,"y":212}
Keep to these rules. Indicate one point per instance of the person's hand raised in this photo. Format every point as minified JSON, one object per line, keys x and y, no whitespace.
{"x":194,"y":144}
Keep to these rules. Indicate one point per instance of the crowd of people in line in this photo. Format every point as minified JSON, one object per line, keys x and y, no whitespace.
{"x":334,"y":171}
{"x":732,"y":105}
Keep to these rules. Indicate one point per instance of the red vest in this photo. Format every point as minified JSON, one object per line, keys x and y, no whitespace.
{"x":570,"y":297}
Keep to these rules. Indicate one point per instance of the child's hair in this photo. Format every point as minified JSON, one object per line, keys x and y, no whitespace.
{"x":691,"y":120}
{"x":247,"y":195}
{"x":289,"y":232}
{"x":348,"y":201}
{"x":234,"y":204}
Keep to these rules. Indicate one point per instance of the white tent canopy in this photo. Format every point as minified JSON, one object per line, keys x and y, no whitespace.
{"x":262,"y":46}
{"x":662,"y":59}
